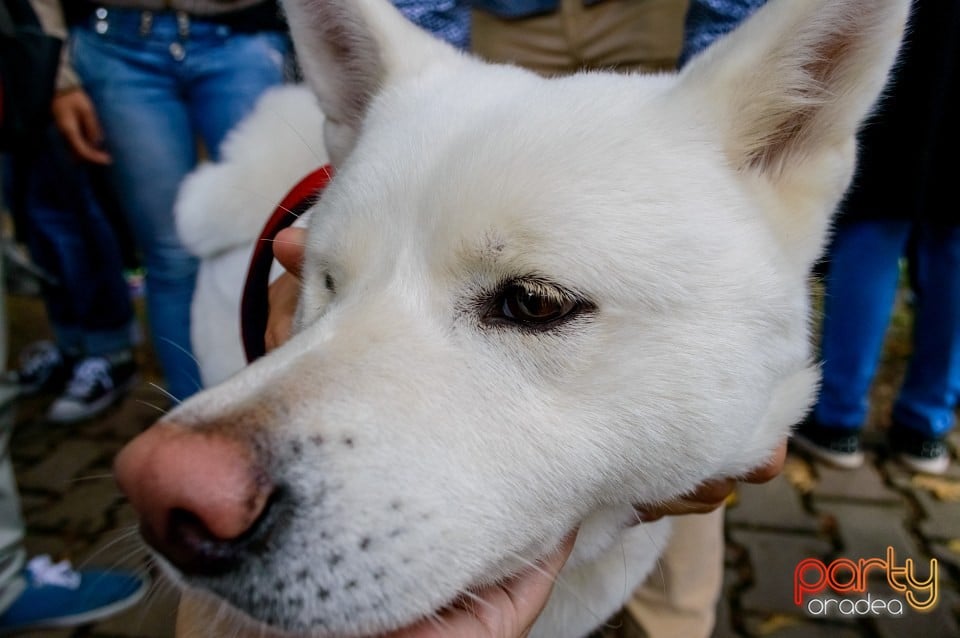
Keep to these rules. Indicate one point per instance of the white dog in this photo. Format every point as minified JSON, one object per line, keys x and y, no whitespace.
{"x":527,"y":304}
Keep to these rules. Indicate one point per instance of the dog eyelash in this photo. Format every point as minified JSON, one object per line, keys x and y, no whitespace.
{"x":532,"y":304}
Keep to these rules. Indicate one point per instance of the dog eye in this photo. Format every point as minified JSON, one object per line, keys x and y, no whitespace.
{"x":329,"y":283}
{"x":533,"y":304}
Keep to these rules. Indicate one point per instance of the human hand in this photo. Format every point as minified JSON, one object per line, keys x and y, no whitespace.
{"x":284,"y":292}
{"x":508,"y":610}
{"x":76,"y":118}
{"x":712,"y":494}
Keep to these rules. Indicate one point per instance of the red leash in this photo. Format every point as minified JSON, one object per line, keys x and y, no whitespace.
{"x":254,"y":306}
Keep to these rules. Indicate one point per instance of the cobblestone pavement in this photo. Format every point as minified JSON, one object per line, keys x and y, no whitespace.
{"x":73,"y":510}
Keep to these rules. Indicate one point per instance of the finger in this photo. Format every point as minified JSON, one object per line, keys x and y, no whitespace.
{"x":71,"y":130}
{"x":93,"y":137}
{"x":506,"y":611}
{"x":529,"y":593}
{"x":288,"y":248}
{"x":771,"y":469}
{"x":282,"y":298}
{"x":707,"y":497}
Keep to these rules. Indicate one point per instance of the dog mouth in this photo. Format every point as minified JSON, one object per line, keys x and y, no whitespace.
{"x":263,"y":619}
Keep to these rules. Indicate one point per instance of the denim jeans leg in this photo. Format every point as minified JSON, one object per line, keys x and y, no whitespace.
{"x":861,"y":286}
{"x":227,"y":74}
{"x":931,"y":388}
{"x":148,"y":133}
{"x":71,"y":239}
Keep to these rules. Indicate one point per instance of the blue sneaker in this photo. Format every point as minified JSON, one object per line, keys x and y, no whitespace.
{"x":59,"y":596}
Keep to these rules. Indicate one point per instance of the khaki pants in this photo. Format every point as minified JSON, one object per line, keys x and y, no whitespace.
{"x":629,"y":35}
{"x":680,"y":596}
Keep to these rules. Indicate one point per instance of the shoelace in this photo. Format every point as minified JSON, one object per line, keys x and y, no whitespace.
{"x":43,"y":571}
{"x":88,"y":374}
{"x":38,"y":359}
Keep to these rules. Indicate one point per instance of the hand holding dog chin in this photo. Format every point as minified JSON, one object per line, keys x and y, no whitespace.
{"x":508,"y":610}
{"x":712,"y":494}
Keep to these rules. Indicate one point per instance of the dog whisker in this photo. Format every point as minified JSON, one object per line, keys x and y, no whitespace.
{"x":154,"y":406}
{"x":165,"y":392}
{"x":267,"y":199}
{"x":130,"y":533}
{"x":92,"y":477}
{"x":317,"y":156}
{"x":560,"y":583}
{"x":195,"y":380}
{"x":280,"y":241}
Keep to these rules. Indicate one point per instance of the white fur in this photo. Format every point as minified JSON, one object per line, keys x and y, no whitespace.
{"x":222,"y":207}
{"x":425,"y":448}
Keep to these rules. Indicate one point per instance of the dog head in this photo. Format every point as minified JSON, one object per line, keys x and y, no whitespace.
{"x":524,"y":299}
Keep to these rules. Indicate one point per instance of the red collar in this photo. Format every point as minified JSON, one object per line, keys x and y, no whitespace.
{"x":254,"y":306}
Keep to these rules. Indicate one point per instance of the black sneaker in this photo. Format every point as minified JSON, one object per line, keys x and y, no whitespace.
{"x":43,"y":368}
{"x":96,"y":384}
{"x":836,"y":446}
{"x":919,"y":452}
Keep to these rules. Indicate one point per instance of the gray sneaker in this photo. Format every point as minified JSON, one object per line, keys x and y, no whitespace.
{"x":96,"y":384}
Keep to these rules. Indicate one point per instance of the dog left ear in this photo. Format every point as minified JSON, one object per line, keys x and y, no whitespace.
{"x":798,"y":78}
{"x":787,"y":91}
{"x":349,"y":50}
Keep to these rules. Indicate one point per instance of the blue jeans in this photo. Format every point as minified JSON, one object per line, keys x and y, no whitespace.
{"x":861,"y":287}
{"x":71,"y":239}
{"x":159,"y":87}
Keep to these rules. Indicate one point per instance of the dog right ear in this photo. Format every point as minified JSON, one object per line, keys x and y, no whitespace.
{"x":349,"y":50}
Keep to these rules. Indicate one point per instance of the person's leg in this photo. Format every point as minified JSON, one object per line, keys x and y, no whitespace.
{"x":226,"y":74}
{"x":133,"y":82}
{"x":89,"y":305}
{"x":680,"y":596}
{"x":539,"y":43}
{"x":12,"y":529}
{"x":925,"y":409}
{"x":861,"y":286}
{"x":627,"y":35}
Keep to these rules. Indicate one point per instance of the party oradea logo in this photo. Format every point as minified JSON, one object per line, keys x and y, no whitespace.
{"x":840,"y":587}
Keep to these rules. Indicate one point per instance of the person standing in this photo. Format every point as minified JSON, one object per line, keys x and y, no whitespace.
{"x":144,"y":86}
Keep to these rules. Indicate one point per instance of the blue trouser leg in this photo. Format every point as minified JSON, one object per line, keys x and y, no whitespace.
{"x":70,"y":238}
{"x":156,"y":94}
{"x":861,"y":286}
{"x":931,"y":387}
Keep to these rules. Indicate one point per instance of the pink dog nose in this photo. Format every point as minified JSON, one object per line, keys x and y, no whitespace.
{"x":199,"y":494}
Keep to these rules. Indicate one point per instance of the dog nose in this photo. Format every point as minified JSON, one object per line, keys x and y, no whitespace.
{"x":199,"y":495}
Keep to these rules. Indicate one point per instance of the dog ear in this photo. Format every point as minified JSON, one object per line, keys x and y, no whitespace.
{"x":351,"y":49}
{"x":798,"y":78}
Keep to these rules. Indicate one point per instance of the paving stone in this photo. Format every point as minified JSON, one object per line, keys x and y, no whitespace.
{"x":941,"y":622}
{"x":863,"y":484}
{"x":780,"y":626}
{"x":723,"y":626}
{"x":775,"y":504}
{"x":65,"y":463}
{"x":50,"y":544}
{"x":774,"y":557}
{"x":153,"y":617}
{"x":121,"y":547}
{"x":48,"y":633}
{"x":867,"y":530}
{"x":83,"y":510}
{"x":947,"y":553}
{"x":941,"y":519}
